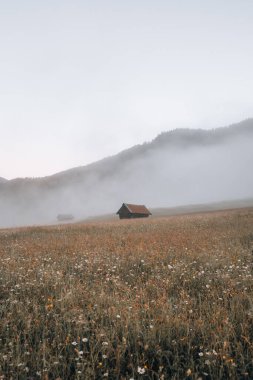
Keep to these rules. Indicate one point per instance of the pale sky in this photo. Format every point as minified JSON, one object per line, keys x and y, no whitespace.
{"x":81,"y":80}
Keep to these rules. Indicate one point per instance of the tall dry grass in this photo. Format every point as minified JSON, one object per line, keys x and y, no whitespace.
{"x":166,"y":298}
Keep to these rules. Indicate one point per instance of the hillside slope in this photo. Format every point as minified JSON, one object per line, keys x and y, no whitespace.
{"x":179,"y":167}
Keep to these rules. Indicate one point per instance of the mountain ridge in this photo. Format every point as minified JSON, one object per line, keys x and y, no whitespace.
{"x":177,"y":136}
{"x":172,"y":136}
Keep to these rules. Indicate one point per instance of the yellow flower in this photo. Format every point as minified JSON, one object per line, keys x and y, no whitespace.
{"x":188,"y":372}
{"x":49,"y":306}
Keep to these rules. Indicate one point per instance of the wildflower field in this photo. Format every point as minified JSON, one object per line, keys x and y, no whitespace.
{"x":161,"y":298}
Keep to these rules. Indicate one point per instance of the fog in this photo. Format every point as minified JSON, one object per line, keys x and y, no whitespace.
{"x":81,"y":80}
{"x":173,"y":170}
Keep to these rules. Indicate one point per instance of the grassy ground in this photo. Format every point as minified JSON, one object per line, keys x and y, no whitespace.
{"x":167,"y":298}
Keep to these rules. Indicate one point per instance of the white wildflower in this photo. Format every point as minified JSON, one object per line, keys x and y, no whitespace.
{"x":141,"y":370}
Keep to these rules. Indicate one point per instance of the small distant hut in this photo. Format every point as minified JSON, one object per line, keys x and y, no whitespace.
{"x":128,"y":211}
{"x":64,"y":217}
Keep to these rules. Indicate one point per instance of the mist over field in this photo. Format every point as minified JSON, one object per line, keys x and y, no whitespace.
{"x":177,"y":168}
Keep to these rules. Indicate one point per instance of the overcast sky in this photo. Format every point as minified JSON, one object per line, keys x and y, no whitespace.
{"x":81,"y":80}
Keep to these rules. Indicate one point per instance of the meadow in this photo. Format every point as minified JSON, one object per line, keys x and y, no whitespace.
{"x":159,"y":298}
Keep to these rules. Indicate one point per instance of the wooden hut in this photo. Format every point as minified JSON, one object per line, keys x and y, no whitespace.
{"x":64,"y":217}
{"x":128,"y":211}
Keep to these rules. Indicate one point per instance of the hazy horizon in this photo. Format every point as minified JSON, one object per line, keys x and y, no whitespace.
{"x":82,"y":80}
{"x":178,"y":168}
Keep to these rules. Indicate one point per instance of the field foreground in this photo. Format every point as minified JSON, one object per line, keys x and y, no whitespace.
{"x":168,"y":298}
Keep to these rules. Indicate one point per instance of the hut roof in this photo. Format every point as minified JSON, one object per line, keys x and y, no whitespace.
{"x":136,"y":209}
